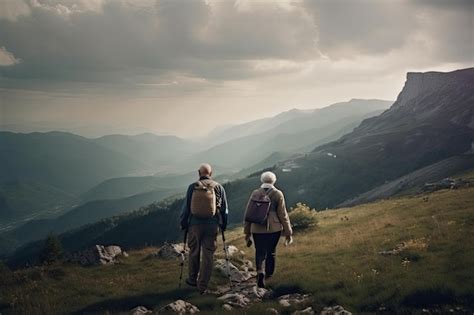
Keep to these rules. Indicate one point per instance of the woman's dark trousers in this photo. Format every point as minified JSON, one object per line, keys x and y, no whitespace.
{"x":265,"y":251}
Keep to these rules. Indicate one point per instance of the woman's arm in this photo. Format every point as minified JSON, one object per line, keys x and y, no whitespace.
{"x":247,"y":225}
{"x":282,"y":214}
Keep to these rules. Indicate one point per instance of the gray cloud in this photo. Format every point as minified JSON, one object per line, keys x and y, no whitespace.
{"x":151,"y":55}
{"x":111,"y":41}
{"x":64,"y":42}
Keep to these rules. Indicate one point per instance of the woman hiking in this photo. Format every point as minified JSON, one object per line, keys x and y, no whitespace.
{"x":266,"y":219}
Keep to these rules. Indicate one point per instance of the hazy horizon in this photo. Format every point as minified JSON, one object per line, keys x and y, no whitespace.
{"x":184,"y":68}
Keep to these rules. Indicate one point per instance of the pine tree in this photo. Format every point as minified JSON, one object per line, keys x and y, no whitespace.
{"x":52,"y":250}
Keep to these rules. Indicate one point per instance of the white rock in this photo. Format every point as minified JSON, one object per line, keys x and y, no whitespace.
{"x":293,"y":299}
{"x":140,"y":310}
{"x":180,"y":307}
{"x":232,"y":250}
{"x":235,"y":299}
{"x":308,"y":310}
{"x":227,"y":307}
{"x":335,"y":310}
{"x":284,"y":303}
{"x":169,"y":251}
{"x":247,"y":266}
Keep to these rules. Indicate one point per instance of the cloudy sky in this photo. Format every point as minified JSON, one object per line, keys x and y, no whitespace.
{"x":185,"y":67}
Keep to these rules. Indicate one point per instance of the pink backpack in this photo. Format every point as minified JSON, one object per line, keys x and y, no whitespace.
{"x":258,"y":207}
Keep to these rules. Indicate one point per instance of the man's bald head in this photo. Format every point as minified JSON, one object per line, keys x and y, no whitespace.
{"x":205,"y":170}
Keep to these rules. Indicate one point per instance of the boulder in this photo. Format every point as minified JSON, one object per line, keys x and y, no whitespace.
{"x":180,"y":307}
{"x":140,"y":310}
{"x":335,"y":310}
{"x":97,"y":255}
{"x":169,"y":251}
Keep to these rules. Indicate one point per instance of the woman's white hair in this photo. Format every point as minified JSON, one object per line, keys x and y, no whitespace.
{"x":268,"y":178}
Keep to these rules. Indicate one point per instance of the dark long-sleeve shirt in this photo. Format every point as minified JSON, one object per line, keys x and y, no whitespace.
{"x":188,"y":219}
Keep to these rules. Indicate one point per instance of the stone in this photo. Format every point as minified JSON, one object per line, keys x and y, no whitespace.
{"x":236,"y":275}
{"x":334,"y":310}
{"x":247,"y":265}
{"x":306,"y":311}
{"x":271,"y":311}
{"x":97,"y":255}
{"x":288,"y":300}
{"x":227,"y":307}
{"x":235,"y":299}
{"x":284,"y":303}
{"x":140,"y":310}
{"x":180,"y":307}
{"x":232,"y":250}
{"x":169,"y":251}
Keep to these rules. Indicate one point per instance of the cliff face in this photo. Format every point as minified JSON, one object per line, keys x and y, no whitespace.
{"x":422,"y":83}
{"x":437,"y":99}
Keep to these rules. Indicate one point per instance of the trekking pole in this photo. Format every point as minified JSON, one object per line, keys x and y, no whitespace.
{"x":227,"y":259}
{"x":183,"y":257}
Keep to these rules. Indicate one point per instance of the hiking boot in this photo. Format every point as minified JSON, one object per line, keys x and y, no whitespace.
{"x":261,"y":280}
{"x":268,"y":277}
{"x":190,"y":283}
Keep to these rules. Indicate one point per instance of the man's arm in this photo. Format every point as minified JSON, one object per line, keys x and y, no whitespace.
{"x":224,"y":210}
{"x":186,"y":210}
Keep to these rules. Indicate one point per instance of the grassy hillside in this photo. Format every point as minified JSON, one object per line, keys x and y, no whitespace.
{"x":87,"y":213}
{"x":21,"y":200}
{"x":337,"y":261}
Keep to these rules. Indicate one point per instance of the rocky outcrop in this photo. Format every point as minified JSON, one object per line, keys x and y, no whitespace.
{"x":169,"y":251}
{"x":97,"y":255}
{"x":180,"y":307}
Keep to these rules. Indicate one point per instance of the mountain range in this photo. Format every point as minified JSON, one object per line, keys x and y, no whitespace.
{"x":324,"y":162}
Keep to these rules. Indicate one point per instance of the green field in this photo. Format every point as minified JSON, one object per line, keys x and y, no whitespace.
{"x":337,"y":261}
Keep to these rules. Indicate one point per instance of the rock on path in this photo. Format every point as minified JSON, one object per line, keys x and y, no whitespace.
{"x":335,"y":310}
{"x":244,"y":291}
{"x":180,"y":307}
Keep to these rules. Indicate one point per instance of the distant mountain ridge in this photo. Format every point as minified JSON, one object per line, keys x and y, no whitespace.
{"x":69,"y":162}
{"x":228,"y":133}
{"x":293,"y":134}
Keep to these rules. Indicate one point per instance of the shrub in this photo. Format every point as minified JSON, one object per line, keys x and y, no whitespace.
{"x":52,"y":250}
{"x":302,"y":217}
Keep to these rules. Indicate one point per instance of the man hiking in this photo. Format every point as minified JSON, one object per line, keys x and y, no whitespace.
{"x":204,"y":212}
